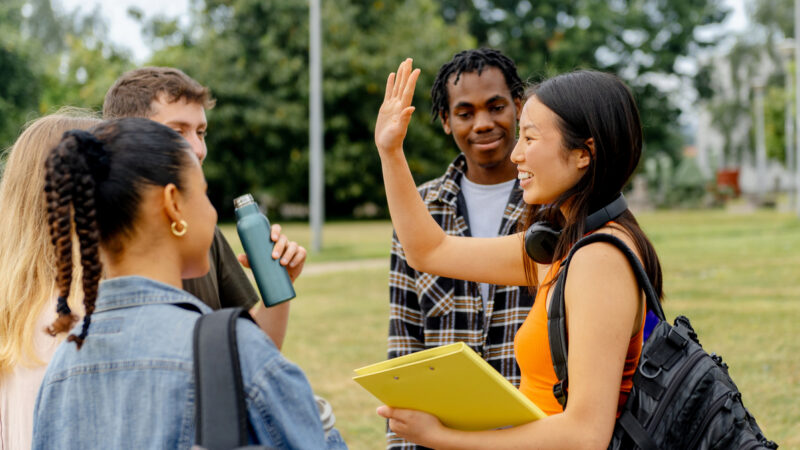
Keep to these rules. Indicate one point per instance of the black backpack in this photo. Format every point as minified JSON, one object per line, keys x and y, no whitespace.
{"x":682,"y":397}
{"x":220,"y":409}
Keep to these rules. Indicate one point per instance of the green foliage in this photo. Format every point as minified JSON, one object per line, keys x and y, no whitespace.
{"x":50,"y":61}
{"x":640,"y":40}
{"x":669,"y":185}
{"x":88,"y":69}
{"x":19,"y":84}
{"x":754,"y":57}
{"x":253,"y":55}
{"x":689,"y":185}
{"x":18,"y":92}
{"x":774,"y":122}
{"x":731,"y":103}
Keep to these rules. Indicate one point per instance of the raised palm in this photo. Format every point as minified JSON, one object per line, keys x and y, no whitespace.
{"x":396,"y":110}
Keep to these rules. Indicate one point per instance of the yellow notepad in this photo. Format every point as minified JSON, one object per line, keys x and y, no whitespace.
{"x":454,"y":384}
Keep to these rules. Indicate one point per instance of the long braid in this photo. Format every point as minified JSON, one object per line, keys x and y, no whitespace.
{"x":58,"y":187}
{"x":89,"y":237}
{"x":70,"y":184}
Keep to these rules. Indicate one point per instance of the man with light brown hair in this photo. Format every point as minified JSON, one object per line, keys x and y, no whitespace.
{"x":169,"y":96}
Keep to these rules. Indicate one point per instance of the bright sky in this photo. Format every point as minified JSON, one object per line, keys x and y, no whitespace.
{"x":125,"y":31}
{"x":737,"y":20}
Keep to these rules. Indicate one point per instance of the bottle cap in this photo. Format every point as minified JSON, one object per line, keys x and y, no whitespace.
{"x":243,"y":200}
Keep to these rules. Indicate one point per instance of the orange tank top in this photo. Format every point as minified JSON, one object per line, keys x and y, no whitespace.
{"x":532,"y":351}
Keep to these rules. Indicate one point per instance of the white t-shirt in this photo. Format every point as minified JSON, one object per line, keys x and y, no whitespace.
{"x":485,"y":206}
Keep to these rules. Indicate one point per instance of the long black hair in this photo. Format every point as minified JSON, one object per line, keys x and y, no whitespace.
{"x":600,"y":106}
{"x":93,"y":179}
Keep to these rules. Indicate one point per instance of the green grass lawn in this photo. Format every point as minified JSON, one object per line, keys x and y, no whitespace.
{"x":341,"y":241}
{"x":735,"y":276}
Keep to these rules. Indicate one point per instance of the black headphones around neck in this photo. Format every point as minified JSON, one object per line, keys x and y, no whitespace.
{"x":542,"y":236}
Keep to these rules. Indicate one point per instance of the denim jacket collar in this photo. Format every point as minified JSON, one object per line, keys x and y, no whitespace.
{"x":134,"y":290}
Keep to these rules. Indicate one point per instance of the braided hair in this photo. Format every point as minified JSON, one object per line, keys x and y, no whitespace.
{"x":469,"y":61}
{"x":92,"y":184}
{"x":70,"y":176}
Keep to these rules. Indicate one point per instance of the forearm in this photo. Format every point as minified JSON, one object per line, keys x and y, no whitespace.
{"x":273,"y":320}
{"x":419,"y":234}
{"x":427,"y":247}
{"x":554,"y":432}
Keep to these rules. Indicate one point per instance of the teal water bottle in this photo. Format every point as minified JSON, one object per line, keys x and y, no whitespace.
{"x":271,"y":277}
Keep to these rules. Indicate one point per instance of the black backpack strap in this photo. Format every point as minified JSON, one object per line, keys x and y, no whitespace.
{"x":636,"y":432}
{"x":556,"y":314}
{"x":220,"y":411}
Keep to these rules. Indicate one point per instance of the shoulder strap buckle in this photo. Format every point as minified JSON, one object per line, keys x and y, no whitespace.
{"x":560,"y":392}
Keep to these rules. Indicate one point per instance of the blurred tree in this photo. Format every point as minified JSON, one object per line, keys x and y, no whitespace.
{"x":776,"y":15}
{"x":85,"y":68}
{"x":19,"y":84}
{"x":18,"y":93}
{"x":776,"y":18}
{"x":642,"y":41}
{"x":731,"y":104}
{"x":774,"y":122}
{"x":253,"y":55}
{"x":752,"y":57}
{"x":51,"y":60}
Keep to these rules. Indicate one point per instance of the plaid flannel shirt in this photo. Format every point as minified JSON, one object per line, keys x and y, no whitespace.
{"x":428,"y":311}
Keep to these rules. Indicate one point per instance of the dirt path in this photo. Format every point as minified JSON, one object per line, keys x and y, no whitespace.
{"x":321,"y":268}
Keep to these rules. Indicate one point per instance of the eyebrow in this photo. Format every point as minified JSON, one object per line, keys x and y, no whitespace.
{"x":494,"y":99}
{"x":530,"y":127}
{"x":184,"y":124}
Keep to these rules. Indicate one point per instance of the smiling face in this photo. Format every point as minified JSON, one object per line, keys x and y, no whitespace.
{"x":482,"y":117}
{"x":545,"y":168}
{"x":186,"y":118}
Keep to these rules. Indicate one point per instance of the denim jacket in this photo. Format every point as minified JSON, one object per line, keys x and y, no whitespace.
{"x":131,"y":385}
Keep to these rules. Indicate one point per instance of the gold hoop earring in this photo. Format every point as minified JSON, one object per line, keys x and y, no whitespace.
{"x":174,"y":228}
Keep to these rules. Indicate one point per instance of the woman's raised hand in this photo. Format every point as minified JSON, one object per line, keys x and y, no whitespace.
{"x":396,"y":110}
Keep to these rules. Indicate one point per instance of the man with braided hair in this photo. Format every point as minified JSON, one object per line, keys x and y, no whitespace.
{"x":477,"y":97}
{"x":169,"y":96}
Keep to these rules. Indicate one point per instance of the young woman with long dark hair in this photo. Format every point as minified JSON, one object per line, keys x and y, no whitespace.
{"x":580,"y":140}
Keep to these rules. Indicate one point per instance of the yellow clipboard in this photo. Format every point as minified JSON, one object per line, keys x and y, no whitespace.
{"x":454,"y":384}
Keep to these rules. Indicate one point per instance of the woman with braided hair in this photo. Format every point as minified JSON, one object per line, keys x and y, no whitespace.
{"x":134,"y":194}
{"x":28,"y":273}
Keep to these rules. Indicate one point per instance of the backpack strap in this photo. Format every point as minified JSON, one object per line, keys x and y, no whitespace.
{"x":220,"y":411}
{"x":556,"y":314}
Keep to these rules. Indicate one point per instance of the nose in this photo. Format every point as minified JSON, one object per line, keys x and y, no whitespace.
{"x":198,"y":147}
{"x":483,"y":122}
{"x":517,"y":155}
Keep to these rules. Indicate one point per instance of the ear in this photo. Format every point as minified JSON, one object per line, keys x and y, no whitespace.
{"x":518,"y":105}
{"x":445,"y":119}
{"x":171,"y":198}
{"x":585,"y":156}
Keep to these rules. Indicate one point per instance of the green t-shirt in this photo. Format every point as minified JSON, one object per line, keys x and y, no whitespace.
{"x":225,"y":285}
